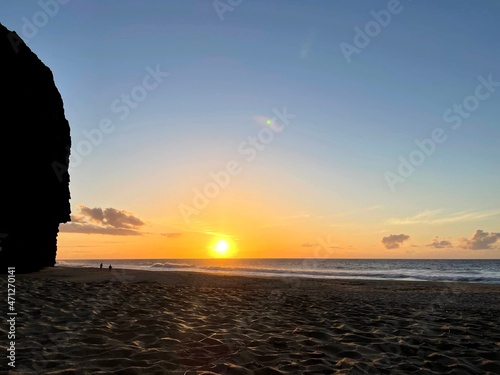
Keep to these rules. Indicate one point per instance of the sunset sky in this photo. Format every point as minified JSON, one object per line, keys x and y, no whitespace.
{"x":366,"y":129}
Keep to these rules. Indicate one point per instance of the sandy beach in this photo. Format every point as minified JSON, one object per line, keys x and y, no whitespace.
{"x":91,"y":321}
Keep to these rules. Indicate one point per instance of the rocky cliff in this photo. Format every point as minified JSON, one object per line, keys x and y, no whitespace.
{"x":34,"y":157}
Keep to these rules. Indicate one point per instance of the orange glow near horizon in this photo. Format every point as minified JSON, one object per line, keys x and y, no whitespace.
{"x":252,"y":224}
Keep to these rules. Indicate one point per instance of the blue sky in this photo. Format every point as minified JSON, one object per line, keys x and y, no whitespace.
{"x":353,"y":119}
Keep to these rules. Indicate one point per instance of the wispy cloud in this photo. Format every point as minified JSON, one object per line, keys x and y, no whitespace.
{"x":281,"y":221}
{"x":218,"y":234}
{"x":376,"y":207}
{"x":322,"y":244}
{"x":95,"y":229}
{"x":394,"y":241}
{"x":360,"y":211}
{"x":171,"y":235}
{"x":438,"y":217}
{"x":108,"y":221}
{"x":480,"y":240}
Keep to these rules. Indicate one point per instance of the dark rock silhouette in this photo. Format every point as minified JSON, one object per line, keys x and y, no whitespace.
{"x":34,"y":158}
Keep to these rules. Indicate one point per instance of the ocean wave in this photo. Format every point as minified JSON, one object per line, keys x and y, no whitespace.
{"x":454,"y":271}
{"x":365,"y":275}
{"x":171,"y":265}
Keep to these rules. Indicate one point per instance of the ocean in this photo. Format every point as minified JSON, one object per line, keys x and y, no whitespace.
{"x":473,"y":271}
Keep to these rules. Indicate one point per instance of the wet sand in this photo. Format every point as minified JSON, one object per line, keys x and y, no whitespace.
{"x":91,"y":321}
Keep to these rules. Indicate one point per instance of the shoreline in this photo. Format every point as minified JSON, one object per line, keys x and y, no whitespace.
{"x":95,"y":274}
{"x":488,"y":273}
{"x":87,"y":320}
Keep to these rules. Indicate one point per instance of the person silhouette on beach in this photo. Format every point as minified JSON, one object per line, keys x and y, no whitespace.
{"x":110,"y":267}
{"x":101,"y":266}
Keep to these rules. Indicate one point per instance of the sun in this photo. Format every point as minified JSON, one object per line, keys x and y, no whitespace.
{"x":220,"y":249}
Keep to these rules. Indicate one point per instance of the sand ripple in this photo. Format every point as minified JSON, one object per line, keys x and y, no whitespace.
{"x":209,"y":325}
